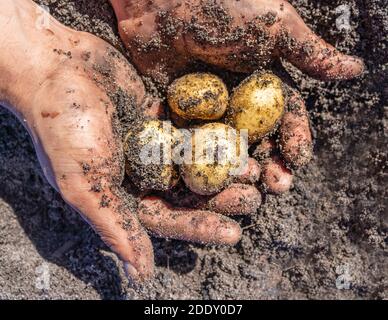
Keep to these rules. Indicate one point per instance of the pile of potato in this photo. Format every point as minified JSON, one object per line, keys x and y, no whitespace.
{"x":256,"y":105}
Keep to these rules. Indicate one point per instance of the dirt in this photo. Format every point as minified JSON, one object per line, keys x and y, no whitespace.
{"x":325,"y":239}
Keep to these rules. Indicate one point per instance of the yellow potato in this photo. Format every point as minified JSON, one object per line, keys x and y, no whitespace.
{"x":198,"y":96}
{"x":148,"y":151}
{"x":257,"y":105}
{"x":217,"y":157}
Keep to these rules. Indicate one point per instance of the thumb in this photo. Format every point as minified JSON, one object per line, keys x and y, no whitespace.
{"x":310,"y":53}
{"x":112,"y":216}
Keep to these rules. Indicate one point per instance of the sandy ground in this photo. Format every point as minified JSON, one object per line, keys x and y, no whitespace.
{"x":325,"y":239}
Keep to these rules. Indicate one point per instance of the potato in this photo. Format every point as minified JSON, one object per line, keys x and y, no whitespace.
{"x":257,"y":105}
{"x":214,"y":160}
{"x":148,"y":151}
{"x":198,"y":96}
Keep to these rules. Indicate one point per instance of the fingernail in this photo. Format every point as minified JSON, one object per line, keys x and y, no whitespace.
{"x":356,"y":65}
{"x":130,"y":271}
{"x":363,"y":66}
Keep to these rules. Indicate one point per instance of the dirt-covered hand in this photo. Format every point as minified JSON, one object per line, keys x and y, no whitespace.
{"x":165,"y":36}
{"x":75,"y":94}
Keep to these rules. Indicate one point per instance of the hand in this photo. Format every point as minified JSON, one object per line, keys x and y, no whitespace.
{"x":71,"y":89}
{"x":165,"y":37}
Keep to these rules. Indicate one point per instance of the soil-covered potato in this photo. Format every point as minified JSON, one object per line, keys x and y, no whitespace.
{"x":148,"y":151}
{"x":198,"y":96}
{"x":217,"y":154}
{"x":257,"y":105}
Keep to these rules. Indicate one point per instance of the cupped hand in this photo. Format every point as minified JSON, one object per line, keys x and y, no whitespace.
{"x":73,"y":92}
{"x":166,"y":37}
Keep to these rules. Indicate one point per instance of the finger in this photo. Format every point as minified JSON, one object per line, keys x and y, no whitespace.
{"x":295,"y":136}
{"x":113,"y":219}
{"x":264,"y":149}
{"x":251,"y":174}
{"x":238,"y":199}
{"x":310,"y":53}
{"x":200,"y":226}
{"x":276,"y":177}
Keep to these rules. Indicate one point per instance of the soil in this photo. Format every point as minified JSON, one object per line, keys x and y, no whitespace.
{"x":325,"y":239}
